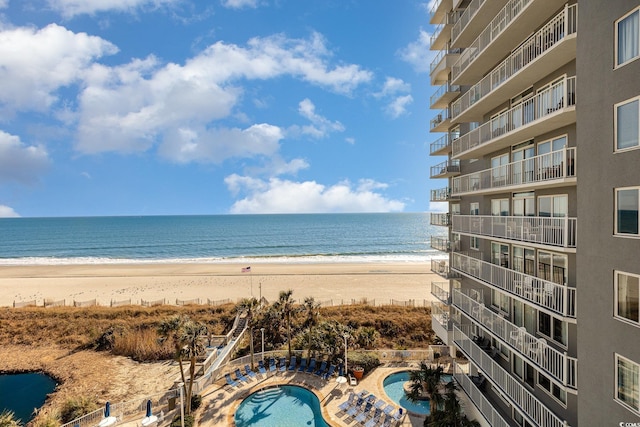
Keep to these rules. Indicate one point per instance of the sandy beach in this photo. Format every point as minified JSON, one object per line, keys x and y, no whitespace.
{"x":150,"y":282}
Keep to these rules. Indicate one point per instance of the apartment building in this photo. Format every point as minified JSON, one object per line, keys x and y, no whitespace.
{"x":550,"y":328}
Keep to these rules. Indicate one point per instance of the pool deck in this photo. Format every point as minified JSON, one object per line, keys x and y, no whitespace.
{"x":220,"y":401}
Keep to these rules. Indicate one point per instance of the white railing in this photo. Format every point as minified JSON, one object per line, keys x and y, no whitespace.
{"x":533,"y":408}
{"x":441,"y":194}
{"x":439,"y":118}
{"x":549,"y":295}
{"x":440,"y":56}
{"x":480,"y":401}
{"x":553,"y":362}
{"x":465,"y":18}
{"x":446,"y":167}
{"x":438,"y":290}
{"x":435,"y":7}
{"x":532,"y":229}
{"x":545,"y":103}
{"x":556,"y":30}
{"x":441,"y":267}
{"x":440,"y":143}
{"x":559,"y":164}
{"x":444,"y":244}
{"x":441,"y":91}
{"x":502,"y":20}
{"x":443,"y":219}
{"x":441,"y":315}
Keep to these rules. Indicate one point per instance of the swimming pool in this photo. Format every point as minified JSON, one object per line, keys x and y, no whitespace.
{"x":394,"y":387}
{"x":283,"y":406}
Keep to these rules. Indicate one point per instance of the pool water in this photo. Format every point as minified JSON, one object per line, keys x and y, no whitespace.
{"x":283,"y":406}
{"x":22,"y":393}
{"x":394,"y":387}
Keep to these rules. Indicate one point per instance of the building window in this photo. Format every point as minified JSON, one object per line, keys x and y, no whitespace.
{"x":628,"y":37}
{"x":627,"y":124}
{"x":627,"y":290}
{"x":552,"y":327}
{"x":500,"y":207}
{"x":475,"y":243}
{"x":628,"y":382}
{"x":474,"y":208}
{"x":627,"y":204}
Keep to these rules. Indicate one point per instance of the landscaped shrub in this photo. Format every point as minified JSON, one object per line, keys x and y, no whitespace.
{"x":188,"y":421}
{"x":368,"y":361}
{"x":76,"y":407}
{"x":196,"y":401}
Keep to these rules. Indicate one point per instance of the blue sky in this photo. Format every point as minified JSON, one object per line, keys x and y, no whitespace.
{"x":154,"y":107}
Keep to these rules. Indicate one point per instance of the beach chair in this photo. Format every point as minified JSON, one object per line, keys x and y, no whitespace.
{"x":230,"y":381}
{"x":330,"y":372}
{"x":272,"y":364}
{"x":347,"y":403}
{"x":292,"y":363}
{"x":387,"y":421}
{"x":388,"y":409}
{"x":249,"y":372}
{"x":303,"y":365}
{"x":240,"y":377}
{"x":283,"y":364}
{"x":398,"y":414}
{"x":261,"y":367}
{"x":364,"y":414}
{"x":375,"y":420}
{"x":379,"y":404}
{"x":323,"y":367}
{"x":355,"y":409}
{"x":312,"y":366}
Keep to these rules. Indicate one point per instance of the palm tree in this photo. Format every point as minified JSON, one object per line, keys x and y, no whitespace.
{"x":449,"y":413}
{"x":426,"y":381}
{"x":250,"y":305}
{"x":285,"y":308}
{"x":8,"y":419}
{"x":171,"y":330}
{"x":312,"y":313}
{"x":193,"y":347}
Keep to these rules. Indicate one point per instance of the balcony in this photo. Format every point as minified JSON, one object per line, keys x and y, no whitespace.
{"x":442,"y":33}
{"x":480,"y":401}
{"x":444,"y":95}
{"x":441,"y":219}
{"x":442,"y":195}
{"x":557,"y":232}
{"x":441,"y":122}
{"x":550,"y":109}
{"x":549,"y":296}
{"x":549,"y":170}
{"x":439,"y":11}
{"x":547,"y":50}
{"x":441,"y":146}
{"x":440,"y":291}
{"x":440,"y":321}
{"x":555,"y":363}
{"x":441,"y":267}
{"x":474,"y":19}
{"x":441,"y":65}
{"x":536,"y":412}
{"x":512,"y":24}
{"x":446,"y":169}
{"x":443,"y":244}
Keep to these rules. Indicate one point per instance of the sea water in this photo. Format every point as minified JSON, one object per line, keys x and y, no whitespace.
{"x":374,"y":237}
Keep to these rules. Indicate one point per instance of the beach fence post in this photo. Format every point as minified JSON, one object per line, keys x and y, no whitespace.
{"x":181,"y":404}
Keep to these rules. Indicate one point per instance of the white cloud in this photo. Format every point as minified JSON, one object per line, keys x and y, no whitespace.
{"x":239,"y":4}
{"x":19,"y":162}
{"x":398,"y":106}
{"x":284,"y":196}
{"x":70,"y":8}
{"x":321,"y":126}
{"x":34,"y":64}
{"x":350,"y":140}
{"x":7,"y":212}
{"x":418,"y":53}
{"x":392,"y":86}
{"x":4,"y":4}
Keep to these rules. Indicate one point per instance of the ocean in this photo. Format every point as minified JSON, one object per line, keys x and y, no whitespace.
{"x":373,"y":237}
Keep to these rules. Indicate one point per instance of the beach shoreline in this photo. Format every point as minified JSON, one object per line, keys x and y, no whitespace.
{"x":107,"y":283}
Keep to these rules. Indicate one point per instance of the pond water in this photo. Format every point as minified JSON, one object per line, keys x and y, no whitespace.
{"x":22,"y":393}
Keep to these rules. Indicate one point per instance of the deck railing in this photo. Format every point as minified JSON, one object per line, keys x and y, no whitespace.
{"x":440,"y":56}
{"x":444,"y":244}
{"x":556,"y":165}
{"x":443,"y":219}
{"x":439,"y":118}
{"x":441,"y":194}
{"x":533,"y":408}
{"x":551,"y":361}
{"x":441,"y":267}
{"x":558,"y":96}
{"x":549,"y":295}
{"x":440,"y":143}
{"x":555,"y":231}
{"x":441,"y":91}
{"x":446,"y":167}
{"x":439,"y":290}
{"x":556,"y":30}
{"x":465,"y":18}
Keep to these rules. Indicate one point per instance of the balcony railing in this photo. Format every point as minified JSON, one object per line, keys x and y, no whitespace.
{"x":556,"y":165}
{"x":443,"y":244}
{"x":556,"y":30}
{"x":555,"y":363}
{"x":465,"y":18}
{"x":442,"y":219}
{"x":549,"y":295}
{"x":441,"y":195}
{"x":441,"y":117}
{"x":502,"y":20}
{"x":441,"y":55}
{"x":545,"y":103}
{"x":532,"y":229}
{"x":440,"y":314}
{"x":441,"y":91}
{"x":446,"y":168}
{"x":526,"y":401}
{"x":441,"y":267}
{"x":483,"y":404}
{"x":440,"y":144}
{"x":439,"y":290}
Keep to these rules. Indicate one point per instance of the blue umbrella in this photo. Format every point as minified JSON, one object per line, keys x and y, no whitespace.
{"x":148,"y":408}
{"x":107,"y":410}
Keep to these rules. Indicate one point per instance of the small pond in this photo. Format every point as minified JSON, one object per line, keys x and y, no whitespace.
{"x":22,"y":393}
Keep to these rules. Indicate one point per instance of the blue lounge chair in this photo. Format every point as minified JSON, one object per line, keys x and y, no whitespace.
{"x":283,"y":364}
{"x":261,"y":367}
{"x":249,"y":372}
{"x":230,"y":381}
{"x":330,"y":372}
{"x":364,"y":414}
{"x":292,"y":363}
{"x":312,"y":366}
{"x":388,"y":409}
{"x":303,"y":365}
{"x":272,"y":364}
{"x":398,"y":415}
{"x":387,"y":421}
{"x":347,"y":403}
{"x":379,"y":404}
{"x":375,"y":420}
{"x":240,"y":377}
{"x":353,"y":411}
{"x":323,"y":367}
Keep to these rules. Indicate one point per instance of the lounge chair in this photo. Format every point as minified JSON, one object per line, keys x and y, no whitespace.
{"x":312,"y":366}
{"x":375,"y":420}
{"x":398,"y":414}
{"x":261,"y":367}
{"x":352,"y":380}
{"x":363,"y":393}
{"x":355,"y":409}
{"x":388,"y":409}
{"x":240,"y":377}
{"x":330,"y":372}
{"x":323,"y":367}
{"x":272,"y":364}
{"x":379,"y":404}
{"x":230,"y":381}
{"x":292,"y":363}
{"x":283,"y":364}
{"x":364,"y":414}
{"x":303,"y":365}
{"x":249,"y":372}
{"x":347,"y":403}
{"x":387,"y":421}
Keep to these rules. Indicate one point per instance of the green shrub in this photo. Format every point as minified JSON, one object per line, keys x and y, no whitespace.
{"x":196,"y":401}
{"x":76,"y":407}
{"x":368,"y":361}
{"x":188,"y":421}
